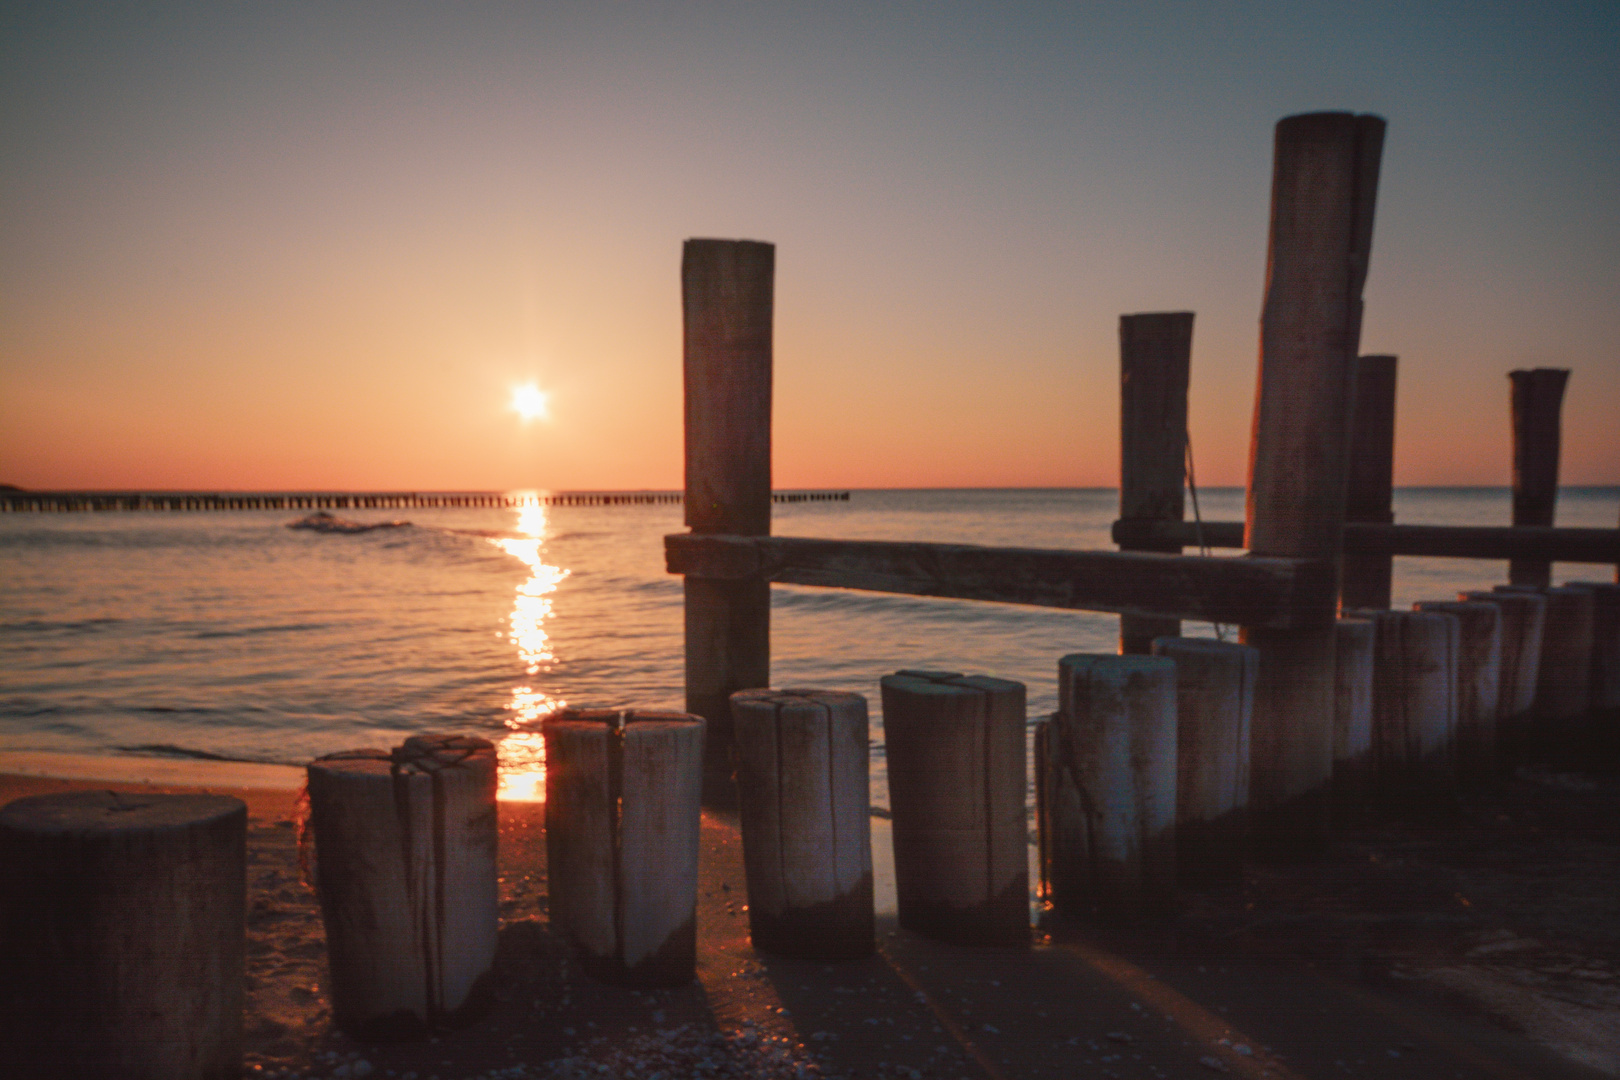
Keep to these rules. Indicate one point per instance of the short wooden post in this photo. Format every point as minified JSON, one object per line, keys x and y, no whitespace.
{"x":1353,"y":712}
{"x":803,"y":785}
{"x":1371,"y":486}
{"x":623,"y":790}
{"x":955,"y":749}
{"x":1479,"y":682}
{"x":727,"y":300}
{"x":1414,"y":700}
{"x":1324,"y":186}
{"x":1605,"y":676}
{"x":1524,"y":621}
{"x":406,"y":871}
{"x":1154,"y":354}
{"x":1537,"y":402}
{"x":1214,"y":705}
{"x":1109,"y":791}
{"x":1564,"y":676}
{"x":122,"y":935}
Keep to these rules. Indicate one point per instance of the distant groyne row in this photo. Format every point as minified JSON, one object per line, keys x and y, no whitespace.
{"x":18,"y":501}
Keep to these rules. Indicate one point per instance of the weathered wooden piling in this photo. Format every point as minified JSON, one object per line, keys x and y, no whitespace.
{"x":122,"y":936}
{"x":1524,"y":620}
{"x":1371,"y":483}
{"x":1605,"y":677}
{"x":1324,"y":186}
{"x":803,"y":788}
{"x":1536,"y":403}
{"x":1214,"y":706}
{"x":1154,"y":354}
{"x":1353,"y":765}
{"x":955,"y":754}
{"x":727,"y":300}
{"x":1414,"y":701}
{"x":1479,"y":682}
{"x":623,"y":791}
{"x":406,"y":870}
{"x":1564,"y":676}
{"x":1108,"y":821}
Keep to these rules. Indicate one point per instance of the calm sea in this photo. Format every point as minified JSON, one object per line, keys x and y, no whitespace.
{"x":231,"y":635}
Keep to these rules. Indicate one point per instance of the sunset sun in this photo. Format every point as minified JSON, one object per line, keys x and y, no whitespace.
{"x":529,"y":402}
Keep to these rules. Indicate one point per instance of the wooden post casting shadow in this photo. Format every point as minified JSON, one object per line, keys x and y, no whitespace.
{"x":1479,"y":683}
{"x":1324,"y":187}
{"x":122,"y":935}
{"x":1537,"y":401}
{"x":1371,"y":485}
{"x":1154,"y":354}
{"x":1524,"y":619}
{"x":1353,"y":714}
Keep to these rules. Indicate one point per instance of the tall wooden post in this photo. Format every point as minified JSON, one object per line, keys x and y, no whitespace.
{"x":727,"y":300}
{"x":1324,"y":185}
{"x":1371,"y":487}
{"x":1154,"y":351}
{"x":1538,"y":399}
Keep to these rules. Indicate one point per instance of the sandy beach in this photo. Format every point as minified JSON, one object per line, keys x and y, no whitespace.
{"x":1487,"y":945}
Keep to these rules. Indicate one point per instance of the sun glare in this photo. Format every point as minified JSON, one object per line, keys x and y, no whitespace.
{"x":529,"y":402}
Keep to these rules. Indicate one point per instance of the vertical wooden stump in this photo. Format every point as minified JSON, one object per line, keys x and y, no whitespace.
{"x":1214,"y":705}
{"x":803,"y":784}
{"x":1564,"y":676}
{"x":1154,"y":353}
{"x":1353,"y":712}
{"x":1479,"y":682}
{"x":1324,"y":185}
{"x":1371,"y":485}
{"x":1414,"y":703}
{"x":1524,"y":621}
{"x":623,"y":791}
{"x":955,"y":749}
{"x":727,"y":300}
{"x":406,"y":870}
{"x":1605,"y":677}
{"x":122,"y":935}
{"x":1109,"y":793}
{"x":1537,"y":401}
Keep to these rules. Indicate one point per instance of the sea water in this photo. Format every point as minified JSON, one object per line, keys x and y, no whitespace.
{"x":230,"y":634}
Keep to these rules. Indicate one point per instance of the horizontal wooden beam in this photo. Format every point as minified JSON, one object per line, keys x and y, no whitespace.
{"x":1455,"y":541}
{"x":1247,"y":591}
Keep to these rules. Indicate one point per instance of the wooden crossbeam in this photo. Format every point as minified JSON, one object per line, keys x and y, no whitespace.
{"x":1249,"y":591}
{"x":1455,"y":541}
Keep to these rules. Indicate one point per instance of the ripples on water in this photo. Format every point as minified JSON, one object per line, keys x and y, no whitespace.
{"x":229,"y":635}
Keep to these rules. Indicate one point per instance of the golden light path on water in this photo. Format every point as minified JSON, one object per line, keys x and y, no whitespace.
{"x":522,"y":750}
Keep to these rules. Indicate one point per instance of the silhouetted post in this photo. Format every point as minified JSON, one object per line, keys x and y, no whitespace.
{"x":1324,"y":186}
{"x":1154,"y":352}
{"x":1605,"y":642}
{"x":122,"y":935}
{"x":406,"y":872}
{"x":956,"y":781}
{"x":1370,"y":494}
{"x":727,"y":302}
{"x":1537,"y":401}
{"x":803,"y":787}
{"x":1479,"y":681}
{"x":622,"y":817}
{"x":1214,"y":705}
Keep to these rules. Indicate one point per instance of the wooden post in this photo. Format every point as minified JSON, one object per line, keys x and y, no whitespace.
{"x":955,"y":749}
{"x":727,"y":290}
{"x":1537,"y":401}
{"x":1479,"y":682}
{"x":803,"y":784}
{"x":1154,"y":354}
{"x":1414,"y":701}
{"x":1324,"y":187}
{"x":1524,"y":620}
{"x":1605,"y":642}
{"x":406,"y":871}
{"x":1353,"y":712}
{"x":122,"y":935}
{"x":622,"y":817}
{"x":1564,"y":676}
{"x":1109,"y":793}
{"x":1214,"y":704}
{"x":1370,"y":493}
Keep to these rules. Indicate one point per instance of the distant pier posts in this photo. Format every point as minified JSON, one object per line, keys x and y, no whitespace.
{"x":622,"y":819}
{"x":1214,"y":706}
{"x":1371,"y":487}
{"x":122,"y":935}
{"x":1154,"y":355}
{"x":955,"y":750}
{"x":1324,"y":187}
{"x":406,"y":870}
{"x":1108,"y":786}
{"x":727,"y":290}
{"x":1537,"y":402}
{"x":803,"y":787}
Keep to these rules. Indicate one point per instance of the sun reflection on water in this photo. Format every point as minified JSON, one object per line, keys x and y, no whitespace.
{"x":522,"y":750}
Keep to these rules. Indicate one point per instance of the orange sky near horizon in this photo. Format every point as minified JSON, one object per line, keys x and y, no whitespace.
{"x":299,"y":248}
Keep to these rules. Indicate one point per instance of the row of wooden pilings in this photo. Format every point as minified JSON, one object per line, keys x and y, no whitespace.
{"x":69,"y":501}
